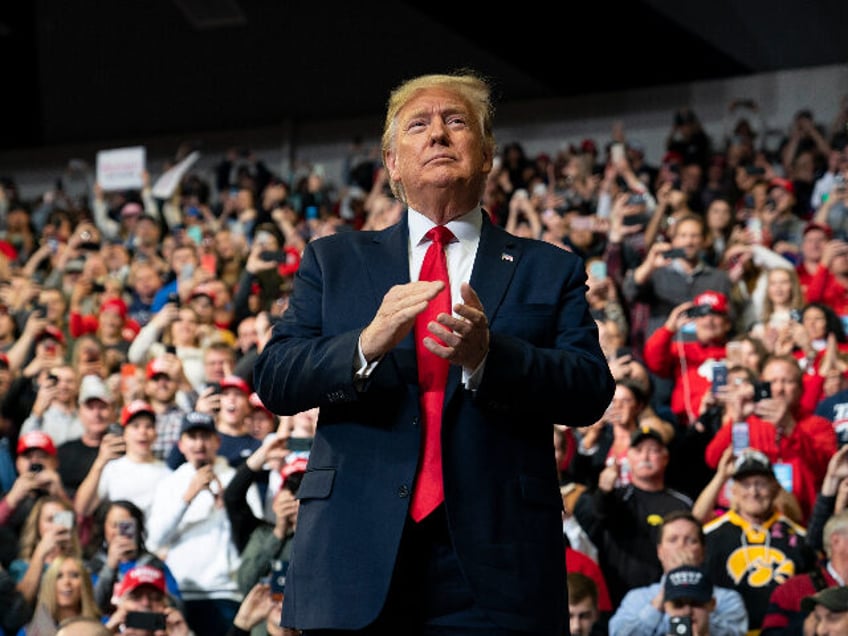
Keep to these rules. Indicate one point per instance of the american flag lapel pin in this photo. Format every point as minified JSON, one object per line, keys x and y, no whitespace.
{"x":506,"y":257}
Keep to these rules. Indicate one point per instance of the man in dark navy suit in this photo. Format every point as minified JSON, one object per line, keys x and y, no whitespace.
{"x":431,"y":503}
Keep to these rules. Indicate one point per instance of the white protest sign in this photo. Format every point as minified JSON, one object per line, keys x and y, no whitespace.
{"x":166,"y":185}
{"x":121,"y":168}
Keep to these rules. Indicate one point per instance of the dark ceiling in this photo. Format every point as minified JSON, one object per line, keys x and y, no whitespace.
{"x":101,"y":70}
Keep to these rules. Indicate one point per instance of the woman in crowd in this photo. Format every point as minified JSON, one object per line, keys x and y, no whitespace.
{"x":65,"y":593}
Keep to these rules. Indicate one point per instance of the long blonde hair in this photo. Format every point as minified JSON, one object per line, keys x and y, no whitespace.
{"x":30,"y":534}
{"x":47,"y":592}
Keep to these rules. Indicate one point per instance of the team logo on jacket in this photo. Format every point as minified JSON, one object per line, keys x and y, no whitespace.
{"x":759,"y":566}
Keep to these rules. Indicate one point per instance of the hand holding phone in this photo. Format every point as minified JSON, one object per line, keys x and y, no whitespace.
{"x":150,"y":621}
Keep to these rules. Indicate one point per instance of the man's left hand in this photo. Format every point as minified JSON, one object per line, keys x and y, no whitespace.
{"x":467,"y":337}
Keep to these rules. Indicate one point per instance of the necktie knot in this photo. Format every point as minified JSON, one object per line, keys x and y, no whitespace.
{"x":440,"y":234}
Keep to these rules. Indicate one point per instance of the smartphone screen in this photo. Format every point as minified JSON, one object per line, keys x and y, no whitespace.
{"x":719,"y":376}
{"x":740,"y":437}
{"x":598,"y":270}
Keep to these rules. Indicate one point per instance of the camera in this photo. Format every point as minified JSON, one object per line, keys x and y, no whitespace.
{"x":680,"y":625}
{"x":277,"y":257}
{"x":40,"y":310}
{"x":115,"y":429}
{"x":675,"y":252}
{"x":174,"y":298}
{"x":127,"y":528}
{"x":97,"y":288}
{"x":698,"y":311}
{"x":299,"y":444}
{"x":64,"y":518}
{"x":762,"y":391}
{"x":150,"y":621}
{"x":795,"y":315}
{"x":278,"y":578}
{"x":36,"y":467}
{"x":636,"y":199}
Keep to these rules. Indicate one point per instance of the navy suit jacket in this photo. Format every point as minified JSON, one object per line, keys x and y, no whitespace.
{"x":502,"y":498}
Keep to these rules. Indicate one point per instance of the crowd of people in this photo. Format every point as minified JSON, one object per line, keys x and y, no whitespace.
{"x":148,"y":489}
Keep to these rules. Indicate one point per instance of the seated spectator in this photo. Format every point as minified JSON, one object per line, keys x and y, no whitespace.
{"x":65,"y":593}
{"x":784,"y":615}
{"x":129,"y":471}
{"x":801,"y":443}
{"x":143,"y":590}
{"x":116,"y":546}
{"x":49,"y":532}
{"x":754,"y":548}
{"x":642,"y":611}
{"x":622,"y":521}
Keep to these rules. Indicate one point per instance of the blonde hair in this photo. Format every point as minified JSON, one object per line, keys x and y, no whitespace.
{"x":47,"y":592}
{"x":474,"y":89}
{"x":836,"y":523}
{"x":30,"y":535}
{"x":797,"y":298}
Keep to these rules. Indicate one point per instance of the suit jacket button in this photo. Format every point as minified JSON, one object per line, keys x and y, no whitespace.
{"x":403,"y":491}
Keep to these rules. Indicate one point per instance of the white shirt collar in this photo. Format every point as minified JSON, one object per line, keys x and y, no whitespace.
{"x":465,"y":228}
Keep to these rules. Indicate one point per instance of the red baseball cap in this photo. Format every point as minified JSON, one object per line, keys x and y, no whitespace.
{"x":828,"y":232}
{"x":716,"y":301}
{"x":141,"y":575}
{"x":156,"y":366}
{"x":256,"y":403}
{"x":202,"y":290}
{"x":51,"y":331}
{"x":292,"y":262}
{"x":786,"y":184}
{"x":36,"y":439}
{"x":235,"y":382}
{"x":115,"y":304}
{"x":136,"y":407}
{"x":297,"y":465}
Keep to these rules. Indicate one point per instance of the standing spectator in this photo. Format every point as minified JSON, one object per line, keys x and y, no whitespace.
{"x":800,"y":442}
{"x":96,"y":412}
{"x":435,"y":530}
{"x":813,"y":241}
{"x":622,"y":521}
{"x":143,"y":589}
{"x":754,"y":548}
{"x":117,"y":545}
{"x":188,"y":519}
{"x":169,"y":392}
{"x":131,"y":472}
{"x":65,"y":592}
{"x":829,"y":285}
{"x":55,"y":409}
{"x":642,"y":610}
{"x":689,"y":364}
{"x":35,"y":464}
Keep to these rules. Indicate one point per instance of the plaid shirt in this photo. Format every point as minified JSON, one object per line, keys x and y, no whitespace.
{"x":167,"y":431}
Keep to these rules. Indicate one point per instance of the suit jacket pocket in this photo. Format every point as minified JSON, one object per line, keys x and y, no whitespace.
{"x":539,"y":491}
{"x":316,"y":483}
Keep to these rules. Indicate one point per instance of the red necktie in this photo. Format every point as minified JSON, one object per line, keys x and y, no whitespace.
{"x":432,"y":376}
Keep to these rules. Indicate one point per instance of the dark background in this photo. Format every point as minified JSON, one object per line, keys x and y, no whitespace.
{"x":103,"y":70}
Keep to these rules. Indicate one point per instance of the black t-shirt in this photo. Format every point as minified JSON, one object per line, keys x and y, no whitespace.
{"x":75,"y":460}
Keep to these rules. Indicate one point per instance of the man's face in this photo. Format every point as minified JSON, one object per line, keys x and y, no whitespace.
{"x":161,"y":388}
{"x":689,"y":237}
{"x":24,"y":461}
{"x":215,"y":365}
{"x":648,"y":459}
{"x":66,"y":385}
{"x":247,"y":333}
{"x":711,"y":328}
{"x":55,"y":303}
{"x":204,"y":309}
{"x":234,"y":406}
{"x":754,"y":496}
{"x":199,"y":446}
{"x":830,"y":623}
{"x":812,"y":246}
{"x":785,"y":382}
{"x":146,"y":281}
{"x":698,"y":612}
{"x":144,"y":598}
{"x":680,"y":541}
{"x":438,"y":144}
{"x":96,"y":415}
{"x":581,"y":616}
{"x":139,"y":434}
{"x":182,"y":256}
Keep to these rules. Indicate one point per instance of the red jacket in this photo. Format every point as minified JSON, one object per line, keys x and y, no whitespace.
{"x":807,"y":449}
{"x":668,"y":357}
{"x":784,"y":609}
{"x":824,"y":288}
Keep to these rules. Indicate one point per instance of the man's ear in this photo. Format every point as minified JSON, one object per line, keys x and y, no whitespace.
{"x":390,"y":161}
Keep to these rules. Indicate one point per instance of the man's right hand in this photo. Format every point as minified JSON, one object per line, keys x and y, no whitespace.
{"x":396,"y":317}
